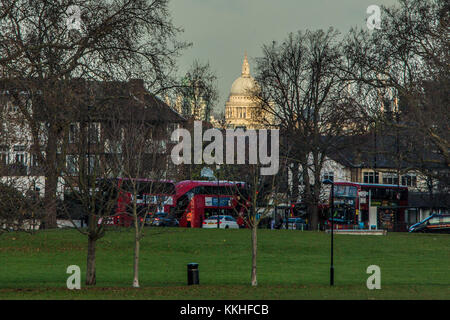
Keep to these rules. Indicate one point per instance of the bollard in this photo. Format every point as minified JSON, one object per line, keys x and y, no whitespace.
{"x":192,"y":273}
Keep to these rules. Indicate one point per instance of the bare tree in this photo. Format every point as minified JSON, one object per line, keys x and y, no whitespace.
{"x":255,"y":200}
{"x":88,"y":178}
{"x":45,"y":44}
{"x":300,"y":91}
{"x":256,"y":195}
{"x":406,"y":66}
{"x":20,"y":187}
{"x":116,"y":133}
{"x":197,"y":92}
{"x":141,"y":145}
{"x":21,"y":207}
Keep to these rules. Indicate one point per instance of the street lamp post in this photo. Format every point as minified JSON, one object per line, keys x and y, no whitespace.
{"x":328,"y":181}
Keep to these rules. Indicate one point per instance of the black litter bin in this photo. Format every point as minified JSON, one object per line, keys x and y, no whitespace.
{"x":192,"y":272}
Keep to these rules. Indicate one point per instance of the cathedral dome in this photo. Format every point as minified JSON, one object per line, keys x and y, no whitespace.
{"x":244,"y":83}
{"x":241,"y":86}
{"x":241,"y":110}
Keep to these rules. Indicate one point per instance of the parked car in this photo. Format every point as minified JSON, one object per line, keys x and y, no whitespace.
{"x":162,"y":219}
{"x":295,"y":223}
{"x":225,"y":222}
{"x":436,"y":223}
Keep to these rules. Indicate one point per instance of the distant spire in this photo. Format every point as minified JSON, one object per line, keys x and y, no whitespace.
{"x":245,"y":67}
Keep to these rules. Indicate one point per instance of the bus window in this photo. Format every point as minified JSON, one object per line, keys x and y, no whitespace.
{"x":345,"y":191}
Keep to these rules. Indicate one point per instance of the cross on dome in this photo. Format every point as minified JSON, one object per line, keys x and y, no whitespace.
{"x":245,"y":67}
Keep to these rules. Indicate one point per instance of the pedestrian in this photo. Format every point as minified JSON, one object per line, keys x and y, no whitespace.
{"x":189,"y":219}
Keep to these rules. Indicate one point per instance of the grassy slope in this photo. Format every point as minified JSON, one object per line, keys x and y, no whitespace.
{"x":291,"y":265}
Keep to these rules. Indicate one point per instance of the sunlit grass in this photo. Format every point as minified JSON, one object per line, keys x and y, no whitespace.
{"x":291,"y":265}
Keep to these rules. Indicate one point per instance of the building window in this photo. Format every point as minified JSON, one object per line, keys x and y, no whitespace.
{"x":20,"y":158}
{"x":94,"y":132}
{"x":371,"y":177}
{"x":19,"y":148}
{"x":4,"y":154}
{"x":13,"y":108}
{"x":3,"y":159}
{"x":73,"y":132}
{"x":162,"y":146}
{"x":91,"y":163}
{"x":390,"y":178}
{"x":72,"y":164}
{"x":409,"y":180}
{"x":34,"y":161}
{"x":20,"y":155}
{"x":328,"y":176}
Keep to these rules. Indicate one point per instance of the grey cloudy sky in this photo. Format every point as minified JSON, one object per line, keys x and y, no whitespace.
{"x":222,"y":30}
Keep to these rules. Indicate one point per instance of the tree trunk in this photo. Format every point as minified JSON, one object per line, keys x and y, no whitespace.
{"x":308,"y":196}
{"x":314,"y":217}
{"x":51,"y":181}
{"x":136,"y":244}
{"x":254,"y":253}
{"x":136,"y":262}
{"x":90,"y":271}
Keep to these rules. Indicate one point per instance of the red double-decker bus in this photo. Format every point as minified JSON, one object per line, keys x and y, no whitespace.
{"x":203,"y":199}
{"x":369,"y":205}
{"x":152,"y":196}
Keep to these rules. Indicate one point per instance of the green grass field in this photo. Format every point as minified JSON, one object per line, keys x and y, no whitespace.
{"x":291,"y":265}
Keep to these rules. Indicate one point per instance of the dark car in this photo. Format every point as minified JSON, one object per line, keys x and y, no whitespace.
{"x":162,"y":219}
{"x":436,"y":223}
